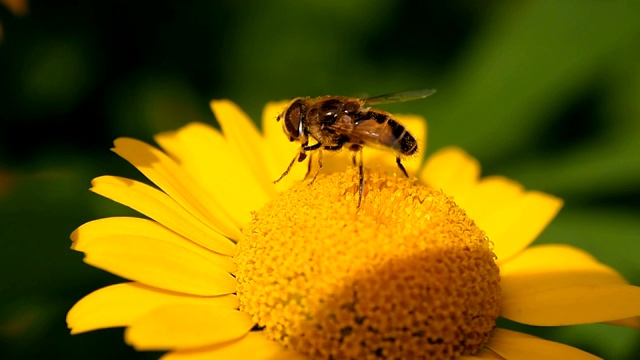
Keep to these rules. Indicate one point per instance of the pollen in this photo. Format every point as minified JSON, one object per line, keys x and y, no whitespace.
{"x":407,"y":275}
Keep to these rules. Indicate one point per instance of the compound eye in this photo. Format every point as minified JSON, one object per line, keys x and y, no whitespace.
{"x":292,"y":119}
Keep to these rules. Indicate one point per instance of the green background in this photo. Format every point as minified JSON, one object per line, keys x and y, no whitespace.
{"x":545,"y":92}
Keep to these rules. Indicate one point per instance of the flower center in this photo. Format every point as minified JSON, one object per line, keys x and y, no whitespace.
{"x":406,"y":276}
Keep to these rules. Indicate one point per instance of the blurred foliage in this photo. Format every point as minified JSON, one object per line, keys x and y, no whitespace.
{"x":546,"y":92}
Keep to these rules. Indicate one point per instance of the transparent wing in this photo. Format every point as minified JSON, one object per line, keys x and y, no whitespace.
{"x":399,"y":97}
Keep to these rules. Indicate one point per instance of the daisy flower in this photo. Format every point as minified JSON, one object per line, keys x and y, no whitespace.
{"x":227,"y":265}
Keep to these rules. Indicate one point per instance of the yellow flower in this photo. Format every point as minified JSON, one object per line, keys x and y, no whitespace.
{"x":229,"y":265}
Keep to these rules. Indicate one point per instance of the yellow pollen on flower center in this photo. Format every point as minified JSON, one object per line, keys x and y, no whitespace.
{"x":406,"y":276}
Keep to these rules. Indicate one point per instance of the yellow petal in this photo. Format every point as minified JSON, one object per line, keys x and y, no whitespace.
{"x":580,"y":304}
{"x":543,"y":267}
{"x":511,"y":217}
{"x":484,"y":354}
{"x":451,"y":170}
{"x":169,"y":177}
{"x":218,"y":168}
{"x":490,"y":194}
{"x":122,"y":304}
{"x":517,"y":223}
{"x":103,"y":229}
{"x":160,"y":207}
{"x":185,"y":326}
{"x":252,"y":346}
{"x":540,"y":269}
{"x":158,"y":263}
{"x":515,"y":345}
{"x":633,"y":322}
{"x":278,"y":150}
{"x":244,"y":138}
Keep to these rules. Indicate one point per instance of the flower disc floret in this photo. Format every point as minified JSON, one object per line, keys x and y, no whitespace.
{"x":406,"y":275}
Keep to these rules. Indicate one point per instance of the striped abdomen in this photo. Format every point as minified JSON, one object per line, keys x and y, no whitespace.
{"x":377,"y":128}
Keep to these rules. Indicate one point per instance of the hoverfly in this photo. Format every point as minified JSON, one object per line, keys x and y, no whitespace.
{"x":335,"y":122}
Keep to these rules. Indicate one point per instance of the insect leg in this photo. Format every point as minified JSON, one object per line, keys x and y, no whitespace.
{"x":309,"y":163}
{"x":361,"y":171}
{"x":333,"y":147}
{"x":313,"y":147}
{"x":317,"y":146}
{"x":404,"y":171}
{"x":302,"y":154}
{"x":303,"y":150}
{"x":319,"y":166}
{"x":310,"y":148}
{"x":356,"y":149}
{"x":298,"y":155}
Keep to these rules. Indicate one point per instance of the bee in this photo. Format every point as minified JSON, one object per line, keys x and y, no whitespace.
{"x":336,"y":122}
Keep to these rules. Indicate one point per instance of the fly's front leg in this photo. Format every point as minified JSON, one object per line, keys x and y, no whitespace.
{"x":300,"y":156}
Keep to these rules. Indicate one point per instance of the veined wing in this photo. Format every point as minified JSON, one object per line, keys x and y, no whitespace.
{"x":399,"y":97}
